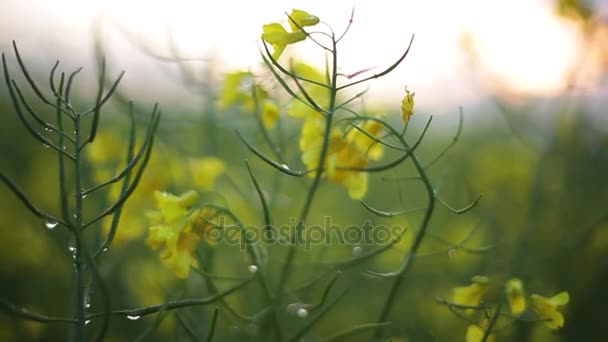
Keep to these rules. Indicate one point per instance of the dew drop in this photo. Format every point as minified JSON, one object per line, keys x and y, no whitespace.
{"x":357,"y":250}
{"x":105,"y":249}
{"x":45,"y":146}
{"x":51,"y":224}
{"x":302,"y":312}
{"x":84,"y":196}
{"x":87,"y":322}
{"x":452,"y":252}
{"x":71,"y":248}
{"x":284,"y":166}
{"x":48,"y":129}
{"x":133,"y":318}
{"x":252,"y":268}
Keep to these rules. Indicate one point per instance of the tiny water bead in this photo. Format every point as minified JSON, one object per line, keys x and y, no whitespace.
{"x":357,"y":250}
{"x":252,"y":268}
{"x":133,"y":318}
{"x":51,"y":224}
{"x":452,"y":252}
{"x":302,"y":312}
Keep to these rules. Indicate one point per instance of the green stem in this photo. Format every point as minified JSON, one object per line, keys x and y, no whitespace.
{"x":79,"y":248}
{"x":411,"y":254}
{"x":333,"y":90}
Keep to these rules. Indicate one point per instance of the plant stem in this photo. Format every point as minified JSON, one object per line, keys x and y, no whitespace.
{"x":78,"y":245}
{"x":411,"y":254}
{"x":333,"y":91}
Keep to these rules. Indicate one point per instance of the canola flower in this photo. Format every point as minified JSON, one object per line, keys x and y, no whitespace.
{"x":475,"y":333}
{"x":407,"y":106}
{"x":471,"y":295}
{"x":549,"y":308}
{"x":277,"y":36}
{"x":177,"y":230}
{"x":240,"y":89}
{"x":348,"y":147}
{"x":514,"y":290}
{"x":206,"y":170}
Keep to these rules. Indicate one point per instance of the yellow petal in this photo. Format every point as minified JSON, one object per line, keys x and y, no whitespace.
{"x":548,"y":308}
{"x":302,"y":19}
{"x":407,"y":106}
{"x":270,"y":114}
{"x":514,"y":290}
{"x":357,"y":185}
{"x":206,"y":170}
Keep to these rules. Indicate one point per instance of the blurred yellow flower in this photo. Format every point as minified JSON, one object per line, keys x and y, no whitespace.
{"x":270,"y":114}
{"x":238,"y":90}
{"x":407,"y":106}
{"x":341,"y":153}
{"x":548,"y":308}
{"x":318,"y":93}
{"x":471,"y":295}
{"x":514,"y":290}
{"x":366,"y":144}
{"x":106,"y":149}
{"x":475,"y":333}
{"x":206,"y":170}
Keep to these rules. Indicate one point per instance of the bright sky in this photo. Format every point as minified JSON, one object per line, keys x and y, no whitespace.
{"x":521,"y":45}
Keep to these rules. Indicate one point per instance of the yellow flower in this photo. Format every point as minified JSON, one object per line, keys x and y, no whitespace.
{"x":340,"y":154}
{"x":270,"y":114}
{"x":182,"y":257}
{"x":302,"y":19}
{"x":276,"y":35}
{"x":371,"y":147}
{"x":475,"y":333}
{"x":548,"y":308}
{"x":204,"y":222}
{"x":238,"y":90}
{"x":471,"y":295}
{"x":206,"y":170}
{"x":235,"y":90}
{"x":407,"y":106}
{"x":515,"y":295}
{"x":173,"y":207}
{"x":319,"y":94}
{"x":106,"y":149}
{"x":172,"y":231}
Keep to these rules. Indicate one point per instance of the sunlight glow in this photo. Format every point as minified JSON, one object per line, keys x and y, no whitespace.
{"x":521,"y":46}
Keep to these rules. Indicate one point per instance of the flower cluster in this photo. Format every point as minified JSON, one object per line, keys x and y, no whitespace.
{"x":106,"y":157}
{"x":276,"y":35}
{"x":471,"y":296}
{"x":240,"y":89}
{"x":350,"y":148}
{"x":178,"y":228}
